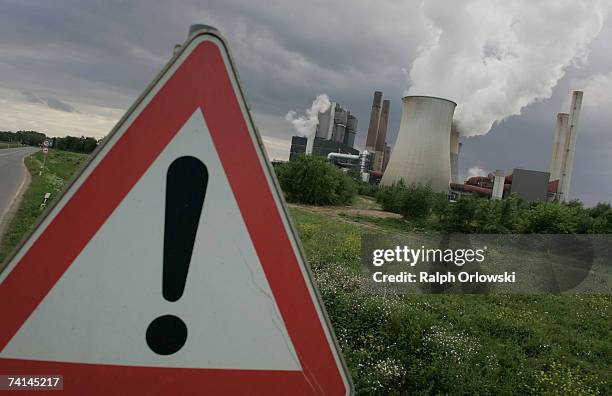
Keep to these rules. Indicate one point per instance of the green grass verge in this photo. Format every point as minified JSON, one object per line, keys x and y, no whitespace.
{"x":59,"y":167}
{"x":455,"y":344}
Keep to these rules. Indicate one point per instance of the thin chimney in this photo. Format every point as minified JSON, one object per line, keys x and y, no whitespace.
{"x":381,"y":137}
{"x":373,"y":128}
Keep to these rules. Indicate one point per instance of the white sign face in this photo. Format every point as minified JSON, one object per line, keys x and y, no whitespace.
{"x":232,"y":321}
{"x":45,"y":150}
{"x":171,"y":266}
{"x":46,"y":143}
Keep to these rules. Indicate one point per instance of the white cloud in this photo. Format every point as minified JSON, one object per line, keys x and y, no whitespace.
{"x":476,"y":171}
{"x":275,"y":133}
{"x":20,"y":113}
{"x":494,"y":57}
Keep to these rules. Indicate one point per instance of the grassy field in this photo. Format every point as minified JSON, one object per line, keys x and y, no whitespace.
{"x":419,"y":344}
{"x":59,"y":167}
{"x":454,"y":344}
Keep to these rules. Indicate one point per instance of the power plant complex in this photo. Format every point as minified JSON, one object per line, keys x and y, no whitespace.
{"x":335,"y":133}
{"x":427,"y":150}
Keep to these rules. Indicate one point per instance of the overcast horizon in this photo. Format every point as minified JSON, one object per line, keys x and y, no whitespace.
{"x":73,"y":68}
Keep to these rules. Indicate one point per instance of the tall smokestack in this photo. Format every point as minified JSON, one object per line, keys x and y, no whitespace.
{"x":421,"y":151}
{"x":373,"y":128}
{"x":567,"y":164}
{"x":381,"y":137}
{"x":454,"y":153}
{"x":558,"y":146}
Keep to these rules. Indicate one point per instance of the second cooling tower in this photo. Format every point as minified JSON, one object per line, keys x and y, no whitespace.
{"x":421,"y":152}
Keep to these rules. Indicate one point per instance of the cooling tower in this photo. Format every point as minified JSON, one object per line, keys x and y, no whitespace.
{"x":421,"y":152}
{"x":558,"y":146}
{"x":373,"y":128}
{"x":386,"y":158}
{"x":567,"y":164}
{"x":454,"y":154}
{"x":381,"y":137}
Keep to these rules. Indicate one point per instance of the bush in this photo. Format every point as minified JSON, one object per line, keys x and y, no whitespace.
{"x":363,"y":188}
{"x":417,"y":202}
{"x":472,"y":214}
{"x":391,"y":197}
{"x":462,"y":214}
{"x":550,"y":218}
{"x":601,"y":216}
{"x":312,"y":180}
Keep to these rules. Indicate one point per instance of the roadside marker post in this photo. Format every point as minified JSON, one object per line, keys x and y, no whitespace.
{"x":45,"y":151}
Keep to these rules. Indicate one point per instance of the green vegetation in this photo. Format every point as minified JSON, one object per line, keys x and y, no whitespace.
{"x":454,"y":344}
{"x":424,"y":209}
{"x":312,"y":180}
{"x":32,"y":138}
{"x":29,"y":138}
{"x":76,"y":144}
{"x":59,"y":168}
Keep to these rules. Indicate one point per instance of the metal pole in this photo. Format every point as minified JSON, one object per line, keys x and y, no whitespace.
{"x":43,"y":165}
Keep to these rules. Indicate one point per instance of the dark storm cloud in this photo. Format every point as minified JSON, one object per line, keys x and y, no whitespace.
{"x":52,"y":102}
{"x":105,"y":52}
{"x":32,"y":98}
{"x":59,"y":105}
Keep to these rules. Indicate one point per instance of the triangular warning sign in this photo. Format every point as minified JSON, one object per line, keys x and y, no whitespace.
{"x":170,"y":266}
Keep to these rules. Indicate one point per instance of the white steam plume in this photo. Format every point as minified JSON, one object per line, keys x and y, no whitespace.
{"x":597,"y":91}
{"x":306,"y":125}
{"x":476,"y":171}
{"x":494,"y":57}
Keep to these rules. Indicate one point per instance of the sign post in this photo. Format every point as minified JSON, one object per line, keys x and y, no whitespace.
{"x":45,"y":151}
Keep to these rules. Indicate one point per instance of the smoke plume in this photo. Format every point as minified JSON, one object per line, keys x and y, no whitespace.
{"x":306,"y":125}
{"x":598,"y":91}
{"x":476,"y":171}
{"x":494,"y":57}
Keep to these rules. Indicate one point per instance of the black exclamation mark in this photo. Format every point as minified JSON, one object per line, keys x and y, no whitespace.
{"x":186,"y":183}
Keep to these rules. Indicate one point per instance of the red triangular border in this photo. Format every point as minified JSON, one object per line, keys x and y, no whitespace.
{"x":202,"y":81}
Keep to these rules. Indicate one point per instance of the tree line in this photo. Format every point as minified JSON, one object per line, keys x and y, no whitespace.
{"x":312,"y":180}
{"x":426,"y":209}
{"x":68,"y":143}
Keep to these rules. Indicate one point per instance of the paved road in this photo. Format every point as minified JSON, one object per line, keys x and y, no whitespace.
{"x":12,"y":175}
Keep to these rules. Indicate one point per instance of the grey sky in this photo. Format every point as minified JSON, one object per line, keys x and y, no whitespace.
{"x":73,"y":67}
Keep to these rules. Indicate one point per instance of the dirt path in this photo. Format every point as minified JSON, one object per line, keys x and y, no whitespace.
{"x":363,"y":206}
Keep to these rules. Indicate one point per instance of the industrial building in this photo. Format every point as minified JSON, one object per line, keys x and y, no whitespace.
{"x":531,"y":185}
{"x":320,"y":147}
{"x":427,"y":150}
{"x":338,"y":125}
{"x":423,"y":147}
{"x":528,"y":185}
{"x":335,"y":133}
